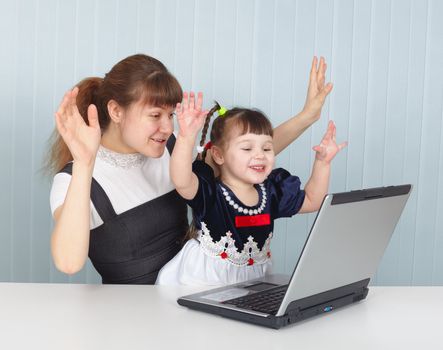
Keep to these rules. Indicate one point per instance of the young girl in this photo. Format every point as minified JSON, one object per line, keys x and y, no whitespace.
{"x":234,"y":213}
{"x":112,"y":198}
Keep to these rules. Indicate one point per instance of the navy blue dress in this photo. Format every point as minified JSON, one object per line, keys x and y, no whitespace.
{"x":234,"y":239}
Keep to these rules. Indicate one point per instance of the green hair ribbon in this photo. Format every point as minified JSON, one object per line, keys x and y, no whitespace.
{"x":222,"y":111}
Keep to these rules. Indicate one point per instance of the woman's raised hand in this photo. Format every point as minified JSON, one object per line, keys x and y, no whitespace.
{"x":82,"y":140}
{"x":328,"y":147}
{"x":317,"y":90}
{"x":190,"y":116}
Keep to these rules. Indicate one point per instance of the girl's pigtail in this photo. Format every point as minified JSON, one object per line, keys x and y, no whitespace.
{"x":202,"y":156}
{"x":192,"y":230}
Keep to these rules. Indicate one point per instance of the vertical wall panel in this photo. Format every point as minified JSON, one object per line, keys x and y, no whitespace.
{"x":126,"y":27}
{"x":105,"y":45}
{"x":429,"y":152}
{"x":437,"y":268}
{"x":281,"y":109}
{"x":341,"y":67}
{"x":395,"y":125}
{"x":358,"y":94}
{"x":204,"y":34}
{"x":146,"y":26}
{"x":64,"y":72}
{"x":262,"y":61}
{"x":165,"y":37}
{"x":377,"y":90}
{"x":42,"y":124}
{"x":184,"y":45}
{"x":8,"y":20}
{"x":384,"y":58}
{"x":224,"y":51}
{"x":244,"y":52}
{"x":22,"y":142}
{"x":413,"y":121}
{"x":300,"y":153}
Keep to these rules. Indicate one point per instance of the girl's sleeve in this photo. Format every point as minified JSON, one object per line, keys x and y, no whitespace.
{"x":285,"y":193}
{"x":205,"y":196}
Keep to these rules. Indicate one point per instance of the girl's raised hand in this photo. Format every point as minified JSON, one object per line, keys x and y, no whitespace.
{"x":328,"y":147}
{"x":190,"y":116}
{"x":317,"y":90}
{"x":82,"y":140}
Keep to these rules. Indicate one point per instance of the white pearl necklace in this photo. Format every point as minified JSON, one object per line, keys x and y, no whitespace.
{"x":242,"y":210}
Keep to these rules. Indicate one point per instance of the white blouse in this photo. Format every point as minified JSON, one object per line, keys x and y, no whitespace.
{"x":128,"y":179}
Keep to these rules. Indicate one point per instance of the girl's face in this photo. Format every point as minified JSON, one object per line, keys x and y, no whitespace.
{"x":247,"y":158}
{"x":145,"y":129}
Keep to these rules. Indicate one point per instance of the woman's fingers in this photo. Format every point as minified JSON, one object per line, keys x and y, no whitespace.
{"x":93,"y":117}
{"x":59,"y":123}
{"x":63,"y":105}
{"x":72,"y":101}
{"x":199,"y":101}
{"x":191,"y":100}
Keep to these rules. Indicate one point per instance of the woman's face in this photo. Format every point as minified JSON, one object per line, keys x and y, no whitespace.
{"x":145,"y":129}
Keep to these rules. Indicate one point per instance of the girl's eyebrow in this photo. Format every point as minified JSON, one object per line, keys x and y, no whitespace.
{"x":270,"y":142}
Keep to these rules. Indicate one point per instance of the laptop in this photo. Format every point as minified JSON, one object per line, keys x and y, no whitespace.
{"x":345,"y":245}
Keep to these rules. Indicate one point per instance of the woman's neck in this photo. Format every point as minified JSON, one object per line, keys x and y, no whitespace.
{"x":112,"y":140}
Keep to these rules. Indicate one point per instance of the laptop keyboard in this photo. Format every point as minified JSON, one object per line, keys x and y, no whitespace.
{"x":267,"y":301}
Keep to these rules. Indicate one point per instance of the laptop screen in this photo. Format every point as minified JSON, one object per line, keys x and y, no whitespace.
{"x":347,"y":240}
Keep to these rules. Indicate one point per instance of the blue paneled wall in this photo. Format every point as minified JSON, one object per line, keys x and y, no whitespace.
{"x":384,"y":57}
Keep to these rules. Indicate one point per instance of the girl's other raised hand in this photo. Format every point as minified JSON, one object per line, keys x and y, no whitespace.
{"x":328,"y":148}
{"x":82,"y":139}
{"x":190,"y":116}
{"x":317,"y":90}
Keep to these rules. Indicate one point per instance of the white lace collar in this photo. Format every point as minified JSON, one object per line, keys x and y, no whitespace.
{"x":120,"y":160}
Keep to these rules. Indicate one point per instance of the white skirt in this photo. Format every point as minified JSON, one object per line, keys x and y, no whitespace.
{"x":191,"y":266}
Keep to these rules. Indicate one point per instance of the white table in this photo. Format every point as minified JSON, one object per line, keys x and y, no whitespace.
{"x":66,"y":316}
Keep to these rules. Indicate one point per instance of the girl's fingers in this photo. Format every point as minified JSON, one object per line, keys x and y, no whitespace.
{"x":185,"y":103}
{"x":342,"y":145}
{"x":321,"y":72}
{"x":328,"y":134}
{"x":326,"y":90}
{"x":313,"y":73}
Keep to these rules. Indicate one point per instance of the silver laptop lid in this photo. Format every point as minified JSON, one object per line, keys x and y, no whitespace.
{"x":347,"y":240}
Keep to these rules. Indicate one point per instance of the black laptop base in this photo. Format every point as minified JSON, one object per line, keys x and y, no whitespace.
{"x":297,"y":310}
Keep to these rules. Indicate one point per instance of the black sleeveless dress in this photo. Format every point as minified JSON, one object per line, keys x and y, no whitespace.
{"x":131,"y":248}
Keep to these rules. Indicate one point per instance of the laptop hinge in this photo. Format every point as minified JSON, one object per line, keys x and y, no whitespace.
{"x":326,"y":301}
